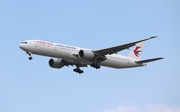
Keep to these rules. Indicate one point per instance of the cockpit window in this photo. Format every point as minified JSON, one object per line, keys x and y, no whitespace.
{"x":24,"y":42}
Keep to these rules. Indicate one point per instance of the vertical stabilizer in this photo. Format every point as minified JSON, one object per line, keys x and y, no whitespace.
{"x":137,"y":51}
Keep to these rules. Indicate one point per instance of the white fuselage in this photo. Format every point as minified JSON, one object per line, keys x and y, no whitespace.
{"x":69,"y":53}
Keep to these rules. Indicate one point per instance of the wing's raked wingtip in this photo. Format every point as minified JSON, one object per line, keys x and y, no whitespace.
{"x":154,"y":36}
{"x":161,"y":58}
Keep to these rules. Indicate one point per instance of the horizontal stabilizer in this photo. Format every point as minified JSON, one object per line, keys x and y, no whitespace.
{"x":148,"y":60}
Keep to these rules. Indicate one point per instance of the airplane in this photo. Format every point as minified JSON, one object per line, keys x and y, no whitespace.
{"x":67,"y":55}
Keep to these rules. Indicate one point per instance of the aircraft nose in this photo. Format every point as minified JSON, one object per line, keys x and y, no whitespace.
{"x":22,"y":46}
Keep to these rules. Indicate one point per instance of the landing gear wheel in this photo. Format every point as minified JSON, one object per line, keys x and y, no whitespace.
{"x":81,"y":71}
{"x":77,"y":70}
{"x":30,"y":58}
{"x":95,"y":66}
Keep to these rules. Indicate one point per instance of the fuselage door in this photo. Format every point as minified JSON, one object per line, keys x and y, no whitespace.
{"x":128,"y":62}
{"x":35,"y":44}
{"x":55,"y":47}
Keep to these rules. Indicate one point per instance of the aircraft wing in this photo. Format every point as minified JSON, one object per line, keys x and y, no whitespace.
{"x":118,"y":48}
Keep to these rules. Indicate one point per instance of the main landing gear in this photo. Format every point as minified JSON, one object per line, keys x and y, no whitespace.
{"x":78,"y":70}
{"x":95,"y":66}
{"x":30,"y":57}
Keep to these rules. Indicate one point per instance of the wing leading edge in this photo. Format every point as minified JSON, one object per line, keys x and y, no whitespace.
{"x":118,"y":48}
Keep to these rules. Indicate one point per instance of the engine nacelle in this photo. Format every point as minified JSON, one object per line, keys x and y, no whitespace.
{"x":56,"y":63}
{"x":86,"y":54}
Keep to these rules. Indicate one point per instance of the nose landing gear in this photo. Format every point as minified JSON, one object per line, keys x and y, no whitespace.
{"x":30,"y":57}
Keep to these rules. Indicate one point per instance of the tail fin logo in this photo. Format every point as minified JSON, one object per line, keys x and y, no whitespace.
{"x":137,"y":51}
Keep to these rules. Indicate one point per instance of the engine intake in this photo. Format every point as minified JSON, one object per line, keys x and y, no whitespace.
{"x":56,"y":63}
{"x":86,"y":54}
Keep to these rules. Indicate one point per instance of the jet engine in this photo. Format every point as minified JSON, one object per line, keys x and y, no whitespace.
{"x":86,"y":54}
{"x":56,"y":63}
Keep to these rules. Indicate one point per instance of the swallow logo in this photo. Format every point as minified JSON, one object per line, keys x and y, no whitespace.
{"x":137,"y":51}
